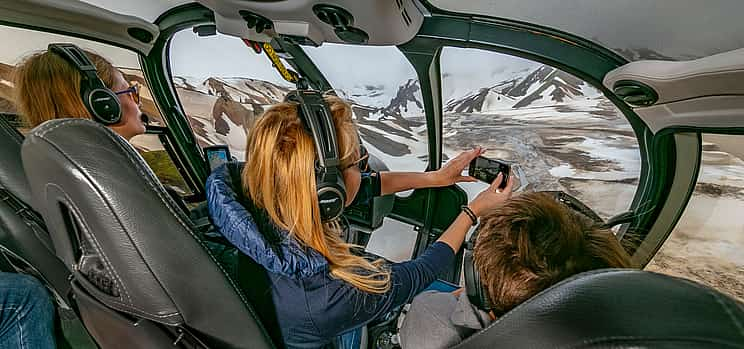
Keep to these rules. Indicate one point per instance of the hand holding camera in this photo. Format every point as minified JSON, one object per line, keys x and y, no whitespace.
{"x":492,"y":197}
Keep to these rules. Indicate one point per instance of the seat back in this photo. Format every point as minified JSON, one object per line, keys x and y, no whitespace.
{"x":618,"y":308}
{"x":25,"y":244}
{"x":131,"y":248}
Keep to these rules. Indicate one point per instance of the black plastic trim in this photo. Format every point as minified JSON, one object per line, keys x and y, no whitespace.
{"x":157,"y":67}
{"x":668,"y":179}
{"x":635,"y":93}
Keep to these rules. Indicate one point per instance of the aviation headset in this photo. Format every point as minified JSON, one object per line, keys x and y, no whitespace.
{"x":318,"y":121}
{"x":477,"y":294}
{"x":102,"y":104}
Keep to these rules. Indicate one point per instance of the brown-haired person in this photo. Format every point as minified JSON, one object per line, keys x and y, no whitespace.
{"x":48,"y":87}
{"x":529,"y":244}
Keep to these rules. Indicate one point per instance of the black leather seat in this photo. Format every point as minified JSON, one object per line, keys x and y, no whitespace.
{"x":142,"y":277}
{"x":25,"y":244}
{"x":616,"y":308}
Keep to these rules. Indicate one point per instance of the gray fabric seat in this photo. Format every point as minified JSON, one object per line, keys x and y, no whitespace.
{"x":136,"y":256}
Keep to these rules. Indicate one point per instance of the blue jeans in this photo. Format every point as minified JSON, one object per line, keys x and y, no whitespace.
{"x":351,"y":339}
{"x":26,"y":313}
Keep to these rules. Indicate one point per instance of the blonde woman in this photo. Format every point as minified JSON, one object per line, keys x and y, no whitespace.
{"x":321,"y":289}
{"x":48,"y":87}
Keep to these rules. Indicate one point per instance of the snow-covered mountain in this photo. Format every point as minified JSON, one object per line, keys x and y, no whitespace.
{"x":221,"y":110}
{"x":391,"y":118}
{"x":545,"y":86}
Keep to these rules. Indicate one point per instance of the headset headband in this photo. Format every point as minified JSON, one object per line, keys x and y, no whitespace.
{"x":77,"y":58}
{"x":315,"y":116}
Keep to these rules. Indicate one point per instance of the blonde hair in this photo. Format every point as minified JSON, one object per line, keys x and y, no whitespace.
{"x":279,"y":177}
{"x":48,"y":87}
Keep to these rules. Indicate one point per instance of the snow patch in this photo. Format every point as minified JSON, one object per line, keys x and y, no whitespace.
{"x":564,"y":170}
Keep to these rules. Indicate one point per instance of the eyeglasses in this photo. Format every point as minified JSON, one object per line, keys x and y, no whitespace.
{"x":134,"y":90}
{"x":363,"y":162}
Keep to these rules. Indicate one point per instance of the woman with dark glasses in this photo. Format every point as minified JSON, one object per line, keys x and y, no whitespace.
{"x":48,"y":87}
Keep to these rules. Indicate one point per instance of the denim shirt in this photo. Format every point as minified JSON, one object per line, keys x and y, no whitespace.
{"x":312,"y":307}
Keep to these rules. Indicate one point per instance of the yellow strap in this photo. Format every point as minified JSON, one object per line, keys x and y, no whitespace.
{"x":286,"y":73}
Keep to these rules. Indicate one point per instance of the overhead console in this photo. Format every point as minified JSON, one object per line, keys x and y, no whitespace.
{"x":702,"y":93}
{"x":83,"y":19}
{"x":312,"y":22}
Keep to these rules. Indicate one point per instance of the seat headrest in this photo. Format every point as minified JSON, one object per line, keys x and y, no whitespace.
{"x":105,"y":208}
{"x":619,"y":308}
{"x":12,"y":176}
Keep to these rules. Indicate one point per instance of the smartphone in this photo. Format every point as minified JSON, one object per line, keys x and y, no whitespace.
{"x":216,"y":155}
{"x":487,"y":170}
{"x":442,"y":286}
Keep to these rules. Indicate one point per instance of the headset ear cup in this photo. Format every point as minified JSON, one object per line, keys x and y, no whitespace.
{"x":472,"y":280}
{"x":331,"y":193}
{"x":103,"y":105}
{"x":477,"y":294}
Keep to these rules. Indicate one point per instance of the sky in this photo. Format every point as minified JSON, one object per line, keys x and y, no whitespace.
{"x":218,"y":55}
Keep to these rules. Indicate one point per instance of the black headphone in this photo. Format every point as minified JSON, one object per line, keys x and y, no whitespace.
{"x":318,"y":121}
{"x":101,"y":102}
{"x":477,"y":294}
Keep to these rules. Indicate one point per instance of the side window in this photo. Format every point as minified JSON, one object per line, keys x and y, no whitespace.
{"x":386,"y":98}
{"x":152,"y":148}
{"x":561,"y":132}
{"x":26,"y":42}
{"x":706,"y":244}
{"x":223,"y":86}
